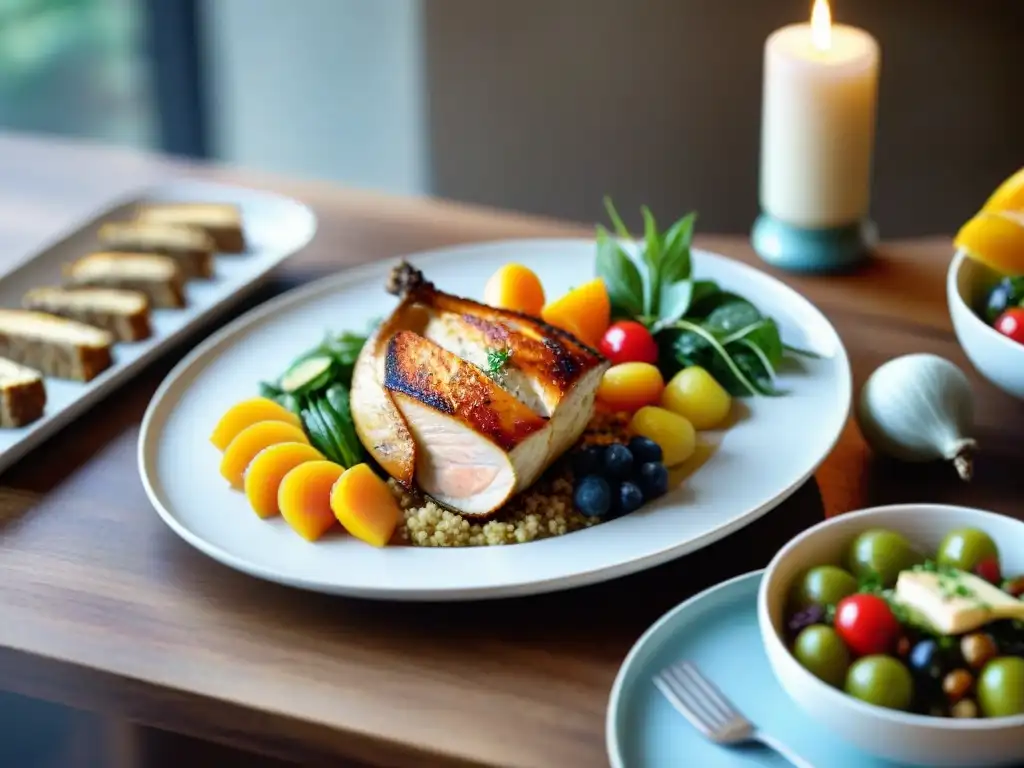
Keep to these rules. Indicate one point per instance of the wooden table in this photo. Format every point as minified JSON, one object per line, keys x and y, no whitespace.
{"x":105,"y":609}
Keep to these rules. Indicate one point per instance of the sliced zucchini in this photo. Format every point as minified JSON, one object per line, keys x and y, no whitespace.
{"x":306,"y":375}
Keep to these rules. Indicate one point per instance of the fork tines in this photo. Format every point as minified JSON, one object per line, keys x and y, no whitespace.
{"x":701,"y":702}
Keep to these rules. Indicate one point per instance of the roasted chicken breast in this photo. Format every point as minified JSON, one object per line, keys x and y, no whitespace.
{"x":468,"y":403}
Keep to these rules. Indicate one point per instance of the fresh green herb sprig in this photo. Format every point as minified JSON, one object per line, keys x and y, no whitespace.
{"x":497,"y":360}
{"x":695,"y":322}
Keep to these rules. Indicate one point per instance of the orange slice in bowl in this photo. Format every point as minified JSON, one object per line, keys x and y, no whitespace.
{"x":996,"y":239}
{"x":1009,"y":196}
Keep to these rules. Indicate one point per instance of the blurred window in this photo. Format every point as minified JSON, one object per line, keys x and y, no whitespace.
{"x":77,"y":68}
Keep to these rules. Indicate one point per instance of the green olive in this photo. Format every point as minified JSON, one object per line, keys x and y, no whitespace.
{"x":1001,"y":687}
{"x":880,"y":680}
{"x":882,"y":554}
{"x":823,"y":585}
{"x":965,"y":548}
{"x":822,"y":653}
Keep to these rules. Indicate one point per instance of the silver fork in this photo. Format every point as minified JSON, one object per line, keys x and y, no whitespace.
{"x":711,"y":713}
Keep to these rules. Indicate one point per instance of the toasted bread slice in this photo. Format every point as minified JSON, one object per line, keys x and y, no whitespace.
{"x":191,"y":247}
{"x":222,"y":221}
{"x":124,"y":313}
{"x":55,"y":346}
{"x":158,"y":277}
{"x":22,"y":394}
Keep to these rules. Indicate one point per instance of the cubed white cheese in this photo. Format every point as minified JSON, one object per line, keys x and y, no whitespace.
{"x":955,"y":602}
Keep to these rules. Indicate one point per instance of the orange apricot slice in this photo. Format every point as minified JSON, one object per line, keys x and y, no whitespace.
{"x":517,"y":288}
{"x":1009,"y":196}
{"x":266,"y":471}
{"x":585,"y":312}
{"x":247,"y":413}
{"x":250,"y":441}
{"x":304,"y":497}
{"x":995,"y":239}
{"x":364,"y":505}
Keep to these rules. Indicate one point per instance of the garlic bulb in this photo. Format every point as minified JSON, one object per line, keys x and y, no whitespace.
{"x":919,"y":408}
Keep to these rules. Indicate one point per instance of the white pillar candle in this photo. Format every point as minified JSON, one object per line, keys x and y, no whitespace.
{"x":818,"y":123}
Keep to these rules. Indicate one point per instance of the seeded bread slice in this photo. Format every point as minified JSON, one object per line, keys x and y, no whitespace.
{"x":22,"y":394}
{"x":123,"y":313}
{"x":190,"y":246}
{"x":159,"y":277}
{"x":55,"y":346}
{"x":222,"y":221}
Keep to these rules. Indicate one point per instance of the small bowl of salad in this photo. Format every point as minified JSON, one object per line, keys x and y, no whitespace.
{"x":901,"y":629}
{"x":987,"y":310}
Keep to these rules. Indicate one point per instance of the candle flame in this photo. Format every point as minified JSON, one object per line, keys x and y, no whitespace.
{"x":821,"y":25}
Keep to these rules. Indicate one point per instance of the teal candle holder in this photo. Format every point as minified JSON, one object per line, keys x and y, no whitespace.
{"x":798,"y":249}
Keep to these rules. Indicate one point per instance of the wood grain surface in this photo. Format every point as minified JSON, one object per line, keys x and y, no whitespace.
{"x":105,"y":609}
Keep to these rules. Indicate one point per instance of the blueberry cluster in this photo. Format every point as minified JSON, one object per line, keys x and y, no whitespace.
{"x":618,"y":479}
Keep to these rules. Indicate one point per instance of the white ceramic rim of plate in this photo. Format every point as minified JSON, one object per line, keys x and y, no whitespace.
{"x":612,"y":745}
{"x":517,"y":588}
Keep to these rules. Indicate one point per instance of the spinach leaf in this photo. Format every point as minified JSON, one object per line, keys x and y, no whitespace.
{"x":676,"y":262}
{"x":763,"y":334}
{"x":732,"y":316}
{"x":674,"y":301}
{"x":620,"y":276}
{"x":711,"y":301}
{"x":652,"y":260}
{"x":751,"y":362}
{"x":721,"y":354}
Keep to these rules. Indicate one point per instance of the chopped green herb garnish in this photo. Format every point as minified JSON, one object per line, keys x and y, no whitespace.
{"x":497,"y":359}
{"x":871,"y":583}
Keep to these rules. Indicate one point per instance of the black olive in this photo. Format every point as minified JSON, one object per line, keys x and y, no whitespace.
{"x":1008,"y":292}
{"x":929,"y":662}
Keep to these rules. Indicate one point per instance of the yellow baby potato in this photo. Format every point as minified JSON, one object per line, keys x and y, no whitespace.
{"x":694,"y":393}
{"x":674,"y":433}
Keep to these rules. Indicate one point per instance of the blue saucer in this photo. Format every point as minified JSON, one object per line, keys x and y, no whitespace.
{"x":718,"y":631}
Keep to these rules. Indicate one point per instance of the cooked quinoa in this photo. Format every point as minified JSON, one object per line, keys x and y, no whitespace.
{"x":544,"y":510}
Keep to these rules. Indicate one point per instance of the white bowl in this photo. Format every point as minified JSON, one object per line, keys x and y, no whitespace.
{"x":997,"y":358}
{"x":898,"y":736}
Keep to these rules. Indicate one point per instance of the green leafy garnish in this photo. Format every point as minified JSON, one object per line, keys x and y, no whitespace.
{"x":316,"y":388}
{"x":497,"y":359}
{"x":694,"y":321}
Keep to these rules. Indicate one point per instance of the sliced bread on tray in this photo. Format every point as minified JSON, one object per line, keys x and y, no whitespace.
{"x":54,"y":346}
{"x":159,"y":277}
{"x":222,"y":221}
{"x":22,"y":394}
{"x":123,"y":313}
{"x":190,"y":246}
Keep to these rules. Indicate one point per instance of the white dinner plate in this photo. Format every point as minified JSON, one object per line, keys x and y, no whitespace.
{"x":759,"y":461}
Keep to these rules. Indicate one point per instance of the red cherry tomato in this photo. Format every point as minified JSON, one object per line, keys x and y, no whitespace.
{"x":628,"y":342}
{"x":1011,"y":324}
{"x":867,"y":625}
{"x":989,"y":570}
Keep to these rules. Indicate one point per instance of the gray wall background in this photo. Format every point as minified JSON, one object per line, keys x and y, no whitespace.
{"x":546,"y":105}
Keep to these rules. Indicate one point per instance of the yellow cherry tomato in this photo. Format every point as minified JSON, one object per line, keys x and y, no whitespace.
{"x":630,"y":386}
